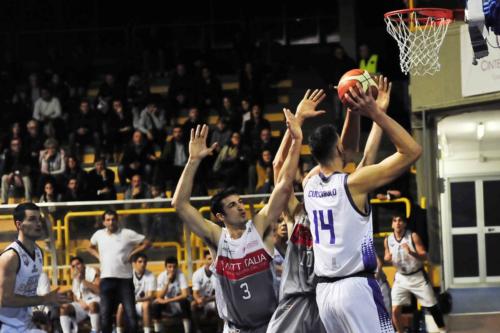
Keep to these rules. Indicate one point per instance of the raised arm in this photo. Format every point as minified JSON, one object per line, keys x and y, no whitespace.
{"x":371,"y":177}
{"x":207,"y":230}
{"x":350,"y":135}
{"x":373,"y":142}
{"x":281,"y":193}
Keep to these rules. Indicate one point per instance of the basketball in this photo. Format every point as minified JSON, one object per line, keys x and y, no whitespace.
{"x":350,"y":78}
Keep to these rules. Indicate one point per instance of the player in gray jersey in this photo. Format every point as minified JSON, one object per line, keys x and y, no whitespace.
{"x":243,"y":268}
{"x":297,"y":310}
{"x":20,"y":268}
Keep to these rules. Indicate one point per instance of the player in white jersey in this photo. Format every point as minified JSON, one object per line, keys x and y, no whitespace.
{"x":20,"y":267}
{"x":145,"y":289}
{"x":348,"y":296}
{"x":244,"y":289}
{"x":85,"y":290}
{"x":407,"y":253}
{"x":203,"y":304}
{"x":297,"y":310}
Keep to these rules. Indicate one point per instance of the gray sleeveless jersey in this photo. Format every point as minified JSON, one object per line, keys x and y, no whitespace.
{"x":298,"y":271}
{"x":244,"y":287}
{"x":27,"y":277}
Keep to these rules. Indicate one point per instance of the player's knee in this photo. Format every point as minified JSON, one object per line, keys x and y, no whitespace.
{"x":396,"y":310}
{"x":94,"y":307}
{"x":146,"y":306}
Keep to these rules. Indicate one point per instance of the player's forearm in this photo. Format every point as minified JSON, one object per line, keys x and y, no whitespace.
{"x":177,"y":298}
{"x":94,"y":287}
{"x":185,"y":185}
{"x":18,"y":301}
{"x":420,"y":256}
{"x":350,"y":135}
{"x":291,"y":162}
{"x":403,"y":141}
{"x":280,"y":157}
{"x":94,"y":253}
{"x":372,"y":146}
{"x":146,"y":244}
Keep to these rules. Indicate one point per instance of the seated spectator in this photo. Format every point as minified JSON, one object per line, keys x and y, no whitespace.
{"x":265,"y":142}
{"x":181,"y":86}
{"x":74,"y":170}
{"x":50,"y":195}
{"x":33,"y":143}
{"x":85,"y":290}
{"x":59,"y":88}
{"x":171,"y":296}
{"x":119,"y":129}
{"x":138,"y":190}
{"x":233,"y":115}
{"x":145,"y":289}
{"x":16,"y":171}
{"x":52,"y":163}
{"x":84,"y":130}
{"x":137,"y":91}
{"x":101,"y":182}
{"x":73,"y":191}
{"x":137,"y":158}
{"x":48,"y":112}
{"x":109,"y":89}
{"x":264,"y":172}
{"x":220,"y":134}
{"x":15,"y":132}
{"x":245,"y":111}
{"x":203,"y":305}
{"x":173,"y":158}
{"x":209,"y":91}
{"x":230,"y":162}
{"x":253,"y":126}
{"x":193,"y":120}
{"x":152,"y":123}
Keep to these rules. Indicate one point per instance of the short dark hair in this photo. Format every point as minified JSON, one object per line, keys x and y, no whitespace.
{"x":109,"y":212}
{"x":322,"y":142}
{"x":216,"y":200}
{"x":401,"y":216}
{"x":171,"y":260}
{"x":76,"y":258}
{"x":139,"y":255}
{"x":20,"y":210}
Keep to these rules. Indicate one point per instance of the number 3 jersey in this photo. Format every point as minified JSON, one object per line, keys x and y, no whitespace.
{"x":245,"y":279}
{"x":342,"y":235}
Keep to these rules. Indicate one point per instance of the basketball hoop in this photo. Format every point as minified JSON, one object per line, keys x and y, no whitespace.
{"x":420,"y":33}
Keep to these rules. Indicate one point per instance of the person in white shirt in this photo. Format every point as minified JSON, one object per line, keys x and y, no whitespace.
{"x":171,"y":296}
{"x":47,"y":110}
{"x":85,"y":290}
{"x":203,"y":304}
{"x":145,"y":288}
{"x":114,"y":246}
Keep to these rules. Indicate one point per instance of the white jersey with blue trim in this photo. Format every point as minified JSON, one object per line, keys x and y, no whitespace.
{"x":342,"y":235}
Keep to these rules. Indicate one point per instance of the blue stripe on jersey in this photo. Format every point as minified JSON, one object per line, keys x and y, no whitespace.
{"x":368,"y":254}
{"x":383,"y":316}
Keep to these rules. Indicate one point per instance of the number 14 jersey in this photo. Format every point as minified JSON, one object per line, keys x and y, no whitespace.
{"x":342,"y":235}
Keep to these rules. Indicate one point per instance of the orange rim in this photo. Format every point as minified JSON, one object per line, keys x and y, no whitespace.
{"x":406,"y":14}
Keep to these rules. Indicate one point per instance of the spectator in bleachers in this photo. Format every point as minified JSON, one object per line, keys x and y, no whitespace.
{"x":114,"y":247}
{"x":119,"y":129}
{"x":245,"y":112}
{"x":74,"y":170}
{"x":220,"y":134}
{"x":203,"y":305}
{"x":138,"y":189}
{"x":265,"y":142}
{"x":367,"y":60}
{"x":85,"y":290}
{"x":145,"y":289}
{"x":181,"y":83}
{"x":48,"y":195}
{"x":101,"y":182}
{"x":109,"y":89}
{"x":194,"y":119}
{"x":47,"y":110}
{"x":52,"y":163}
{"x":22,"y":107}
{"x":34,"y":90}
{"x":15,"y":132}
{"x":16,"y":170}
{"x":138,"y":157}
{"x":209,"y":92}
{"x":59,"y":88}
{"x":264,"y":172}
{"x":253,"y":126}
{"x":232,"y":114}
{"x":173,"y":158}
{"x":171,"y":296}
{"x":73,"y":191}
{"x":84,"y":130}
{"x":33,"y":143}
{"x":137,"y":91}
{"x":230,"y":164}
{"x":250,"y":81}
{"x":164,"y":227}
{"x":152,"y":123}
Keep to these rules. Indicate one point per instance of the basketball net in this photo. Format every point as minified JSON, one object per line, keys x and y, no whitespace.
{"x":419,"y":37}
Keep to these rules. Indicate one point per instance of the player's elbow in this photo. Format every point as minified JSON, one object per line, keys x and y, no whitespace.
{"x":416,"y":151}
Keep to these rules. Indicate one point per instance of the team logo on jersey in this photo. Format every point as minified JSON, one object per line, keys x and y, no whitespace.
{"x":25,"y":259}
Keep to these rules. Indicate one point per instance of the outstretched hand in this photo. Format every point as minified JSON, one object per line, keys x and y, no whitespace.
{"x":198,"y":143}
{"x":307,"y":106}
{"x":56,"y":298}
{"x":361,"y":103}
{"x":293,"y":124}
{"x":384,"y":93}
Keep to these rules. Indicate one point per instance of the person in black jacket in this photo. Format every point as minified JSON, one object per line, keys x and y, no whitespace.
{"x":138,"y":158}
{"x":84,"y":130}
{"x":101,"y":182}
{"x":16,"y":170}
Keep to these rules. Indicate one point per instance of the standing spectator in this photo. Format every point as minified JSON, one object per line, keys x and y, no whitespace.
{"x":253,"y":126}
{"x":84,"y":130}
{"x":101,"y":182}
{"x":119,"y":129}
{"x":174,"y":157}
{"x":193,"y":120}
{"x":16,"y":171}
{"x":171,"y":296}
{"x":114,"y":247}
{"x":152,"y":123}
{"x":145,"y":289}
{"x":209,"y":91}
{"x":52,"y":162}
{"x":73,"y":191}
{"x":137,"y":158}
{"x":367,"y":60}
{"x":85,"y":291}
{"x":47,"y":110}
{"x":203,"y":304}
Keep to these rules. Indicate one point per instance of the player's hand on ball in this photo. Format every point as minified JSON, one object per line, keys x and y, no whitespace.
{"x":361,"y":103}
{"x":384,"y":93}
{"x":198,"y":143}
{"x":307,"y":106}
{"x":293,"y":125}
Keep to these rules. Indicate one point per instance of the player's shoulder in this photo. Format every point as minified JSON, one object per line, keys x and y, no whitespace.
{"x":149,"y":275}
{"x":9,"y":258}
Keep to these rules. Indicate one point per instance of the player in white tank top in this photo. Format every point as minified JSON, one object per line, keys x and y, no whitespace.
{"x":349,"y":298}
{"x":407,"y":253}
{"x":20,"y":267}
{"x":232,"y":245}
